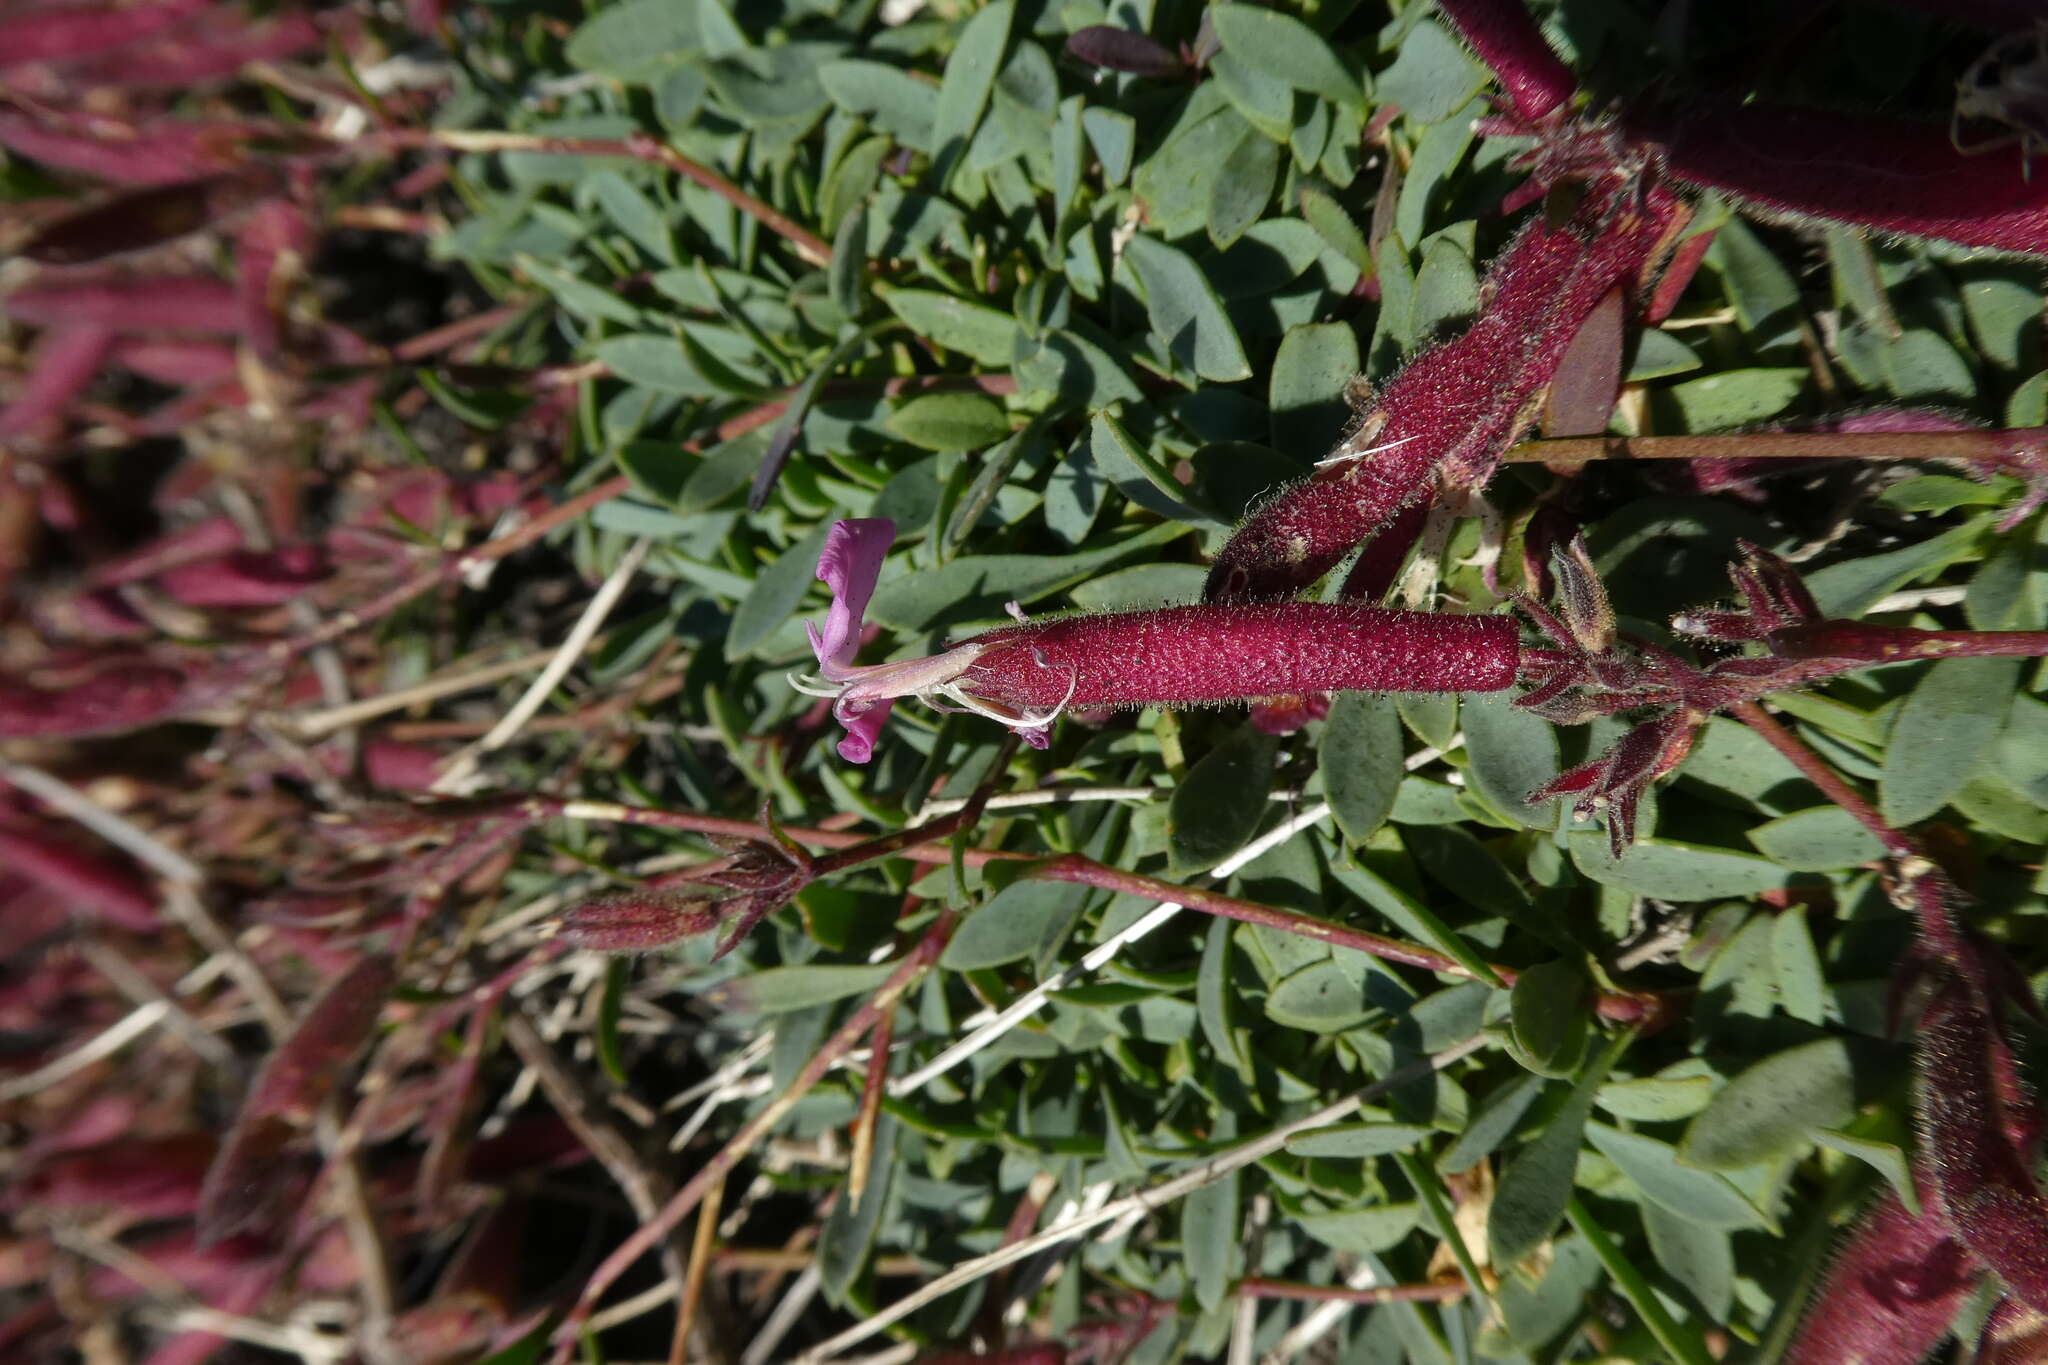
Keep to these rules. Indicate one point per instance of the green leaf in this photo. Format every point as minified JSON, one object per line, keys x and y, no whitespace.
{"x":656,"y":362}
{"x":781,"y":990}
{"x":1137,"y":475}
{"x":1699,"y":1259}
{"x":1208,"y":1237}
{"x":895,"y":101}
{"x":1823,"y":839}
{"x":1920,"y":366}
{"x":1306,"y":396}
{"x":1323,"y":997}
{"x":635,"y":41}
{"x":1771,"y":1108}
{"x":1510,"y":752}
{"x":1802,"y":989}
{"x":1218,"y":805}
{"x":1432,"y":75}
{"x":1765,"y":296}
{"x":1943,"y":733}
{"x":1242,"y":188}
{"x":848,"y":1237}
{"x":1550,"y":1006}
{"x":1335,"y":227}
{"x":1656,"y":1099}
{"x":1701,"y":1196}
{"x":1283,"y":47}
{"x":1670,"y":870}
{"x":975,"y":587}
{"x":1362,"y":1232}
{"x":951,"y":421}
{"x":1360,"y":762}
{"x":1888,"y":1159}
{"x":634,"y":214}
{"x":1489,"y":1127}
{"x":588,"y":301}
{"x":1536,"y":1183}
{"x":1186,"y":314}
{"x":1141,"y":585}
{"x":1019,"y":921}
{"x":1850,"y":588}
{"x":1735,"y":397}
{"x":1114,"y":136}
{"x":777,"y":590}
{"x":963,"y":93}
{"x":971,"y":328}
{"x":1357,"y":1140}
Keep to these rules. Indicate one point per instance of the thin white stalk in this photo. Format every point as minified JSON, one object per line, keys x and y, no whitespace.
{"x":761,"y":1350}
{"x":1320,"y":1320}
{"x":106,"y":1043}
{"x":462,"y":768}
{"x":1141,"y":1203}
{"x":1033,"y":1000}
{"x":110,"y":825}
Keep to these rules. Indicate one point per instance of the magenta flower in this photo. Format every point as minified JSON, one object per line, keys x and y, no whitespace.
{"x":1024,"y":676}
{"x":863,"y":695}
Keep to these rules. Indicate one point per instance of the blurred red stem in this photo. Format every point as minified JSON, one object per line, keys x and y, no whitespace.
{"x":1072,"y":867}
{"x":1786,"y":445}
{"x":1888,"y":644}
{"x":808,"y":244}
{"x":1831,"y":783}
{"x":1258,"y":1287}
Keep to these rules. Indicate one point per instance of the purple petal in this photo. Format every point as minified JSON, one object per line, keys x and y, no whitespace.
{"x":1037,"y":736}
{"x":862,"y":727}
{"x":852,"y":560}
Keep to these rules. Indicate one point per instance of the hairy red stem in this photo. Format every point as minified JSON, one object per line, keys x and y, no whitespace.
{"x":1221,"y":652}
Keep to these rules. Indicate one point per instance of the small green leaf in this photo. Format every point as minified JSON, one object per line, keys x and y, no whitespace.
{"x":1218,"y":805}
{"x":1701,"y":1196}
{"x":656,"y":362}
{"x":1243,"y":187}
{"x":1536,"y":1183}
{"x":635,"y":41}
{"x":777,"y":590}
{"x":1656,"y":1099}
{"x":1187,"y":316}
{"x":1550,"y":1009}
{"x":1208,"y":1237}
{"x":1699,"y":1259}
{"x":898,"y":103}
{"x":1323,"y":997}
{"x":1017,"y":922}
{"x":1306,"y":396}
{"x":1511,"y":752}
{"x":1357,"y":1140}
{"x":1670,"y":870}
{"x":1943,"y":733}
{"x":1282,"y":46}
{"x":1823,"y":839}
{"x":1360,"y":762}
{"x":1802,"y":989}
{"x":1364,"y":1231}
{"x":973,"y":329}
{"x":1335,"y":227}
{"x":963,"y":93}
{"x":951,"y":421}
{"x":1772,"y":1107}
{"x":1137,"y":475}
{"x":1733,"y":398}
{"x":1432,"y":75}
{"x":781,"y":990}
{"x":1490,"y":1126}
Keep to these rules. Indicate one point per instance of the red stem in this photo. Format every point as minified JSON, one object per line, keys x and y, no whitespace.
{"x":1888,"y":644}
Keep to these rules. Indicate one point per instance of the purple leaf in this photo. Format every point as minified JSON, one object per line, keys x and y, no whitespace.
{"x":1119,"y":49}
